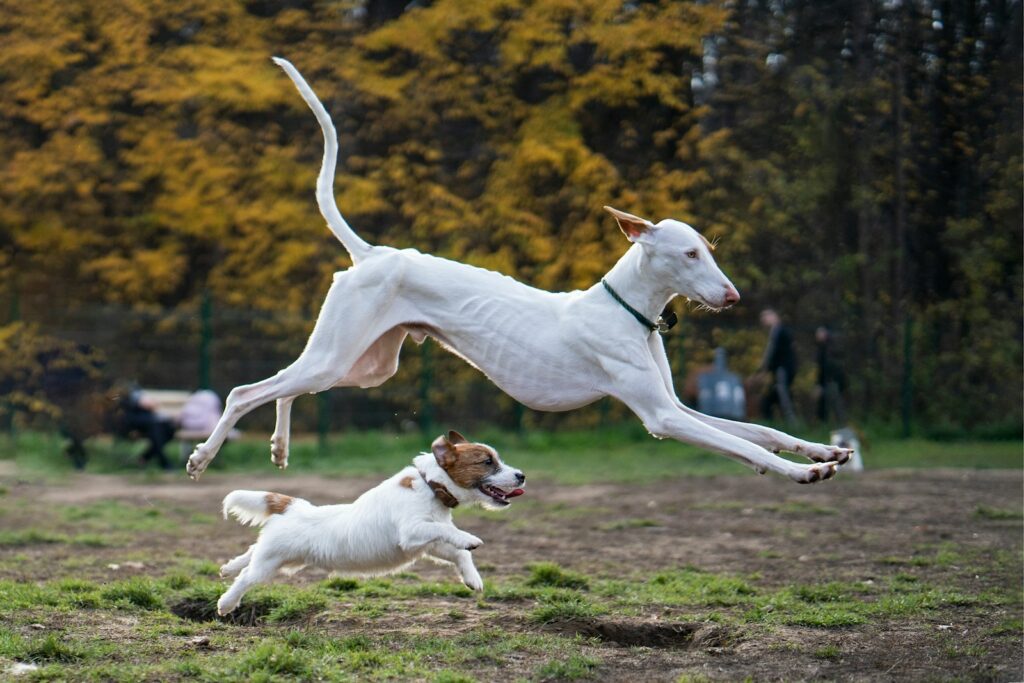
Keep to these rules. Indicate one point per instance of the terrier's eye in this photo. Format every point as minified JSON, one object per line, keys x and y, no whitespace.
{"x":489,"y":461}
{"x":692,"y":253}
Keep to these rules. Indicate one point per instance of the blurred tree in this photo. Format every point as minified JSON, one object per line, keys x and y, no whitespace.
{"x":860,"y":161}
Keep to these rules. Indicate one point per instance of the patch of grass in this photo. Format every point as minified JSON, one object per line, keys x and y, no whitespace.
{"x":571,"y":668}
{"x":830,"y":652}
{"x":449,"y":676}
{"x":54,"y":648}
{"x":275,"y":659}
{"x":799,"y":507}
{"x":140,"y":592}
{"x":25,"y":537}
{"x":552,"y":575}
{"x":295,"y":605}
{"x":989,"y":512}
{"x":564,"y":608}
{"x":634,"y":523}
{"x":341,"y":584}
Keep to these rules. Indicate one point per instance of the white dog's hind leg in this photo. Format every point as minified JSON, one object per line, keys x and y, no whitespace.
{"x":282,"y":432}
{"x":377,"y":365}
{"x":350,"y":307}
{"x":231,"y":568}
{"x":766,"y":437}
{"x":463,"y":561}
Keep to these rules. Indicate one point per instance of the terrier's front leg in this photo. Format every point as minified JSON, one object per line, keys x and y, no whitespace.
{"x":418,"y":535}
{"x":463,"y":561}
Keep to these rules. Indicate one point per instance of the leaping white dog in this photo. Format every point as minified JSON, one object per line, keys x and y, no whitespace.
{"x":548,"y":351}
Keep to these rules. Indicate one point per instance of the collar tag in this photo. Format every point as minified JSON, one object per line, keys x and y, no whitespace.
{"x":666,"y":321}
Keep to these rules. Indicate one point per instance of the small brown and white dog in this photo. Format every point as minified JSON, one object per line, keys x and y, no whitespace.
{"x":386,"y":529}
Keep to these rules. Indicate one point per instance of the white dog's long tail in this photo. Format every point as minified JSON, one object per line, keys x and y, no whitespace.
{"x":254,"y":508}
{"x":357,"y":246}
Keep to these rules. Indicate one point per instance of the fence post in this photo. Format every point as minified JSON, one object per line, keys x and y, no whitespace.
{"x":907,"y":383}
{"x":205,"y":336}
{"x":14,"y":316}
{"x":426,"y":382}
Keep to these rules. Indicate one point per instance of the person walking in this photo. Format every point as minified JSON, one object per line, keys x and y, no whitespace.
{"x":779,"y":362}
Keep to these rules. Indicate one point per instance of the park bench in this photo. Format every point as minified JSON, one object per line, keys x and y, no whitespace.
{"x":169,"y":403}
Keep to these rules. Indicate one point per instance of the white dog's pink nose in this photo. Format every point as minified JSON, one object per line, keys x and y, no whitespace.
{"x":731,"y":296}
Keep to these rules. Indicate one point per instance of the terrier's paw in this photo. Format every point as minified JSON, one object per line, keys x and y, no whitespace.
{"x":226,"y":572}
{"x":279,"y":452}
{"x":224,"y":607}
{"x":812,"y":473}
{"x":473,"y":581}
{"x":198,"y":461}
{"x":468,"y":542}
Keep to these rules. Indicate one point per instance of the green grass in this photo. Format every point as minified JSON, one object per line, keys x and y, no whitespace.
{"x":989,"y":512}
{"x":551,"y":575}
{"x":623,"y":454}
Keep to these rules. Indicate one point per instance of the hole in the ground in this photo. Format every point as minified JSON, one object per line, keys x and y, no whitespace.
{"x":647,"y":634}
{"x":199,"y":609}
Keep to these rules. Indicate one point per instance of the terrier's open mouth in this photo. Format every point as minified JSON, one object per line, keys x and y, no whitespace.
{"x":500,"y":495}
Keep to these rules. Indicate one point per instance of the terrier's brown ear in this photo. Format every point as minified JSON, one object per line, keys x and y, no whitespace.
{"x":455,"y":438}
{"x":444,"y":451}
{"x":634,"y":227}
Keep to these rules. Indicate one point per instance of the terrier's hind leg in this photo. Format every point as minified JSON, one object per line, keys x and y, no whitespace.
{"x":231,"y":568}
{"x":261,"y":568}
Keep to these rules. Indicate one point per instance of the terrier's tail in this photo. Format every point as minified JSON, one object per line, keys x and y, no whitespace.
{"x":357,"y":247}
{"x":254,"y":508}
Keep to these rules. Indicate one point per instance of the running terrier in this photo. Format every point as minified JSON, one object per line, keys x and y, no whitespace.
{"x":386,"y":529}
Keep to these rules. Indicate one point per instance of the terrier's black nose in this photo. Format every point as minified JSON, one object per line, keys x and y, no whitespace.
{"x":520,"y":477}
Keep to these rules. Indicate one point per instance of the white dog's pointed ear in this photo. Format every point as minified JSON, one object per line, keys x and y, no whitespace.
{"x":634,"y":227}
{"x":454,"y":437}
{"x":444,"y":451}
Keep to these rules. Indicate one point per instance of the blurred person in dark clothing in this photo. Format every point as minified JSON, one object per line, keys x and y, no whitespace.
{"x":831,"y":381}
{"x":139,"y":415}
{"x":779,"y":361}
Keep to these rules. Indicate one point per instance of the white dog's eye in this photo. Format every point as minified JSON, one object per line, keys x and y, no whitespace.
{"x":692,"y":253}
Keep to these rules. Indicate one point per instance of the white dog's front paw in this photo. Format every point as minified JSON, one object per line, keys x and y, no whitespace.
{"x":819,"y":452}
{"x":198,"y":461}
{"x":808,"y":474}
{"x":471,"y":577}
{"x":225,"y":607}
{"x":279,"y":451}
{"x":467,"y":541}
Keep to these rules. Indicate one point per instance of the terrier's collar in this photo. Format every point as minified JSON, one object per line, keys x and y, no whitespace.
{"x":441,"y":491}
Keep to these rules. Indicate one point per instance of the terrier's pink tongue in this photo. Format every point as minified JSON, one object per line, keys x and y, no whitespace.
{"x":513,"y":494}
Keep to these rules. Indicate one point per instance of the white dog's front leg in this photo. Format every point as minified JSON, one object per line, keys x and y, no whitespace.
{"x":766,"y":437}
{"x":417,"y":535}
{"x":647,"y":396}
{"x":463,"y":561}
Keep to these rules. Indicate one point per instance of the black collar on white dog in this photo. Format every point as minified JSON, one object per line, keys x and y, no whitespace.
{"x":441,"y":492}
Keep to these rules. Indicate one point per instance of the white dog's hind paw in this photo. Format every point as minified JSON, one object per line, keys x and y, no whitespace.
{"x":812,"y":473}
{"x":279,"y":452}
{"x":197,"y":462}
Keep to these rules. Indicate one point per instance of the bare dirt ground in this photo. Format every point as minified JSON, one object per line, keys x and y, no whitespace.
{"x":958,"y":529}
